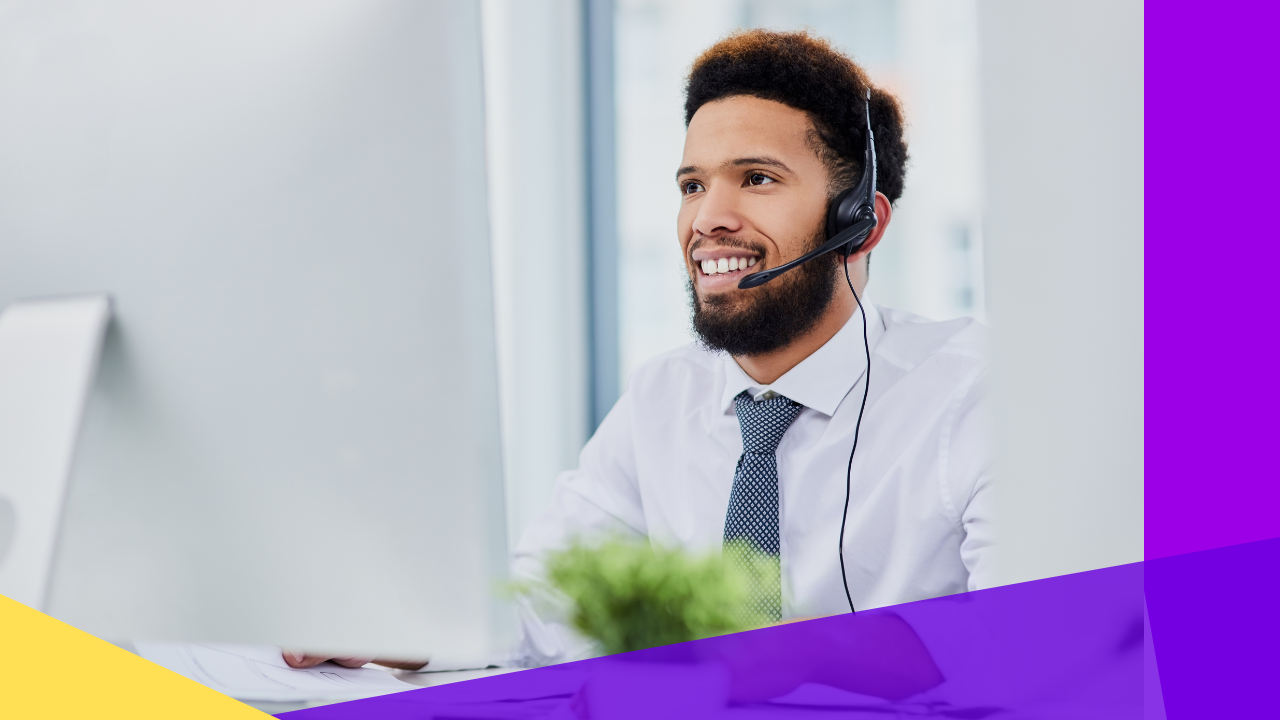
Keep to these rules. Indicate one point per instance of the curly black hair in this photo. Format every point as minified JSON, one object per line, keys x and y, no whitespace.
{"x":806,"y":73}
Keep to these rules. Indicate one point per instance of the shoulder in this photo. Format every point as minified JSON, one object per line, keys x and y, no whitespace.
{"x":911,"y":340}
{"x":667,"y":392}
{"x":687,"y":363}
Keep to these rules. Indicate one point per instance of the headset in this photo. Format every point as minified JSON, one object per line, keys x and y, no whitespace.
{"x":850,"y":219}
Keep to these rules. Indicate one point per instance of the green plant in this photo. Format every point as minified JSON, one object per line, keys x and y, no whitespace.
{"x":629,"y":596}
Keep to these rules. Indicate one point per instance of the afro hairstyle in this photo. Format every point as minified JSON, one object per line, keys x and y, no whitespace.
{"x":804,"y":72}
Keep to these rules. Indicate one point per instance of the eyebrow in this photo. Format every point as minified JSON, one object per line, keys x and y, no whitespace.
{"x":762,"y":160}
{"x":739,"y":162}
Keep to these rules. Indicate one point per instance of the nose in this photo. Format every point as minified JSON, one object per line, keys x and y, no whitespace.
{"x":718,"y":213}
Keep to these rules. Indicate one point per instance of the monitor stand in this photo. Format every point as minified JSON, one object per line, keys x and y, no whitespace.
{"x":49,"y":350}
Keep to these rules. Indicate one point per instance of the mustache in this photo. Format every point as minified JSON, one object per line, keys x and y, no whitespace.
{"x":727,"y":241}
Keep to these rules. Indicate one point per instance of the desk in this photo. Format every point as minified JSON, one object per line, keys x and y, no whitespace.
{"x":421,"y":679}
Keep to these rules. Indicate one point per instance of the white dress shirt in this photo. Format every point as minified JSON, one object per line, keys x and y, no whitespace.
{"x":919,"y":525}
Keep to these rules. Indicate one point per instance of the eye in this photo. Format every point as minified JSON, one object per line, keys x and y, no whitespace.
{"x":759,"y":179}
{"x":692,"y":187}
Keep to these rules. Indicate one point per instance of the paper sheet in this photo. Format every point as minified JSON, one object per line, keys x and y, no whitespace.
{"x":258,"y":672}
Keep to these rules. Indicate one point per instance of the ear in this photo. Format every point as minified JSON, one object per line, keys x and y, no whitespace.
{"x":884,"y":212}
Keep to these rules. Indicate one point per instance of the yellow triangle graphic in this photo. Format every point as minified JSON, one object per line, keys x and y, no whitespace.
{"x":49,"y":669}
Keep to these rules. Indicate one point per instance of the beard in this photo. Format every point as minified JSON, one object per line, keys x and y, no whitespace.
{"x":771,"y":316}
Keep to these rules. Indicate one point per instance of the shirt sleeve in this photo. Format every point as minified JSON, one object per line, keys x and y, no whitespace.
{"x":599,"y":499}
{"x":969,"y":461}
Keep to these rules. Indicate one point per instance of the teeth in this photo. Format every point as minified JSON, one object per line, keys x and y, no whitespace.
{"x":723,"y":265}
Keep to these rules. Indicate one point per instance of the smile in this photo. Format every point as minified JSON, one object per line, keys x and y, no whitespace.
{"x":726,"y":265}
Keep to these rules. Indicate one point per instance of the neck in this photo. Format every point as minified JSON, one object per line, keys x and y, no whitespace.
{"x":768,"y":367}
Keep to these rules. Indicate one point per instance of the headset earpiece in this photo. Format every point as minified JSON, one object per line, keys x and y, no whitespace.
{"x":858,"y":202}
{"x":848,"y":208}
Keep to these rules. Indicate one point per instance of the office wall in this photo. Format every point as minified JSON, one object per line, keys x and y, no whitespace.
{"x":535,"y":147}
{"x":1063,"y":119}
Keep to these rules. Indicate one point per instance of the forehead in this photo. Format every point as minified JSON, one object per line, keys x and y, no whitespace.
{"x":745,"y":126}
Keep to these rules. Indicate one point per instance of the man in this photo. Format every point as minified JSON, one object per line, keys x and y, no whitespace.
{"x":775,"y":132}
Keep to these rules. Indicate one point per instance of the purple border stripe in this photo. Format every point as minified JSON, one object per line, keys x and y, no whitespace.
{"x":1216,"y":630}
{"x":1211,"y":393}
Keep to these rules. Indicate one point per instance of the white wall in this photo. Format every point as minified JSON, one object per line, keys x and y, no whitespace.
{"x":535,"y":137}
{"x":1063,"y":109}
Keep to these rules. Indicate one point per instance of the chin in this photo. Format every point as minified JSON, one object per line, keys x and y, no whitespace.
{"x":722,"y":299}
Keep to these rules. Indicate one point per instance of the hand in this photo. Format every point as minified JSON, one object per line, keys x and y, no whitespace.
{"x":875,"y":654}
{"x":300,"y":659}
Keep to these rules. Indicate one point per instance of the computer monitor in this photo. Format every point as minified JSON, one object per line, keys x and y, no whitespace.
{"x":293,"y":433}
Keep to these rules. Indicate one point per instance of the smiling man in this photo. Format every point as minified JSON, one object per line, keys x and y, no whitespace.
{"x":747,"y":433}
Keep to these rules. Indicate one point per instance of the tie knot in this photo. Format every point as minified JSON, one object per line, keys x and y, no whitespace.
{"x":764,"y":423}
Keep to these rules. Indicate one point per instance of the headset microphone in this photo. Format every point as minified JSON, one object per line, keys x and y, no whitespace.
{"x":850,"y":219}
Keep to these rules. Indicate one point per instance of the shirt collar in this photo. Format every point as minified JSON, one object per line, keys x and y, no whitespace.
{"x":821,"y":380}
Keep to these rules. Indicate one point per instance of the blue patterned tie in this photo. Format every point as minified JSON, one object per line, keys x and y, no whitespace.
{"x":753,"y":502}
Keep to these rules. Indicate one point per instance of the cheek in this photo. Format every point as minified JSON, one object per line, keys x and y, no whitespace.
{"x":684,"y":227}
{"x":795,"y":228}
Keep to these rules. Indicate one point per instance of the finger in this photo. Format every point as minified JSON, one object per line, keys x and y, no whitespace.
{"x":352,"y":662}
{"x":400,"y":663}
{"x":299,"y":659}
